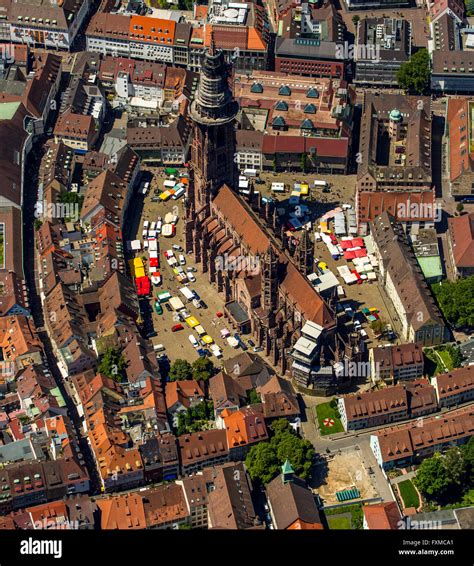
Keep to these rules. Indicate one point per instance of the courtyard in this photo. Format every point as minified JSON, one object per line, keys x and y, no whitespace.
{"x":342,"y":471}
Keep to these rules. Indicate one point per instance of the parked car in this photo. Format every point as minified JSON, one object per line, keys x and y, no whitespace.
{"x":168,"y":307}
{"x":251,"y":343}
{"x":191,"y":277}
{"x":158,"y":308}
{"x":177,"y":327}
{"x":203,"y":304}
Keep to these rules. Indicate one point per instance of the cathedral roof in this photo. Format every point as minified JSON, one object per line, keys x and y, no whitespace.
{"x":292,"y":281}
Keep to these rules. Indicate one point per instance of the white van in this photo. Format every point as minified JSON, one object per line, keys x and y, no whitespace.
{"x":146,"y":225}
{"x":193,"y":341}
{"x":250,"y":172}
{"x":159,"y":224}
{"x":320,"y":183}
{"x":182,"y":259}
{"x":158,"y":348}
{"x":179,"y":193}
{"x":153,"y":226}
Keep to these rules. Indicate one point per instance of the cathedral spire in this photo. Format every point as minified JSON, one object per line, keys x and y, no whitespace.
{"x":212,"y":47}
{"x":213,"y":103}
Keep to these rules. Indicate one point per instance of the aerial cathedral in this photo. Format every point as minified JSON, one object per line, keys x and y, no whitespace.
{"x":243,"y":247}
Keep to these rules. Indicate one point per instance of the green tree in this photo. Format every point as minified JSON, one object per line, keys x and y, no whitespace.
{"x":262,"y":462}
{"x":71,"y":198}
{"x":203,"y":369}
{"x":455,"y":355}
{"x":279,"y":427}
{"x":468,"y":453}
{"x":460,"y":207}
{"x":456,"y":300}
{"x":378,"y":326}
{"x":274,"y":165}
{"x":112,"y":364}
{"x":265,"y":463}
{"x":355,"y":20}
{"x":414,"y":75}
{"x":299,"y":452}
{"x":38,"y":224}
{"x":304,"y":162}
{"x":253,"y":397}
{"x":181,"y":370}
{"x":455,"y":465}
{"x":469,"y":7}
{"x":431,"y":477}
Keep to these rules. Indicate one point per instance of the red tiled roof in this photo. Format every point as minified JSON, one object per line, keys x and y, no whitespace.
{"x":382,"y":516}
{"x":458,"y":123}
{"x":455,"y":382}
{"x":299,"y":289}
{"x":418,"y":206}
{"x":461,"y":232}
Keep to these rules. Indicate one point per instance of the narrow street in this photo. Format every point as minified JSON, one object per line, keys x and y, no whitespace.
{"x":31,"y":275}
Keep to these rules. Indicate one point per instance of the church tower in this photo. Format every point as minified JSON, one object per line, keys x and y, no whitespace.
{"x":212,"y":112}
{"x":304,"y":253}
{"x":269,"y":280}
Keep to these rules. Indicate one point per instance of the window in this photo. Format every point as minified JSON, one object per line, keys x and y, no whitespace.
{"x":278,"y":122}
{"x":284,"y":90}
{"x":281,"y":105}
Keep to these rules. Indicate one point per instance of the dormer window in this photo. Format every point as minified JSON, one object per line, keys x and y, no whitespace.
{"x":256,"y":88}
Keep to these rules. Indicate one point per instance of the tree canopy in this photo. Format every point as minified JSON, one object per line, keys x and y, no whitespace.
{"x":431,"y":477}
{"x":265,"y":459}
{"x":195,"y":418}
{"x":112,"y":364}
{"x":445,"y":476}
{"x":456,"y":300}
{"x":181,"y":370}
{"x":262,"y":462}
{"x":203,"y":369}
{"x":414,"y":75}
{"x":468,"y":451}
